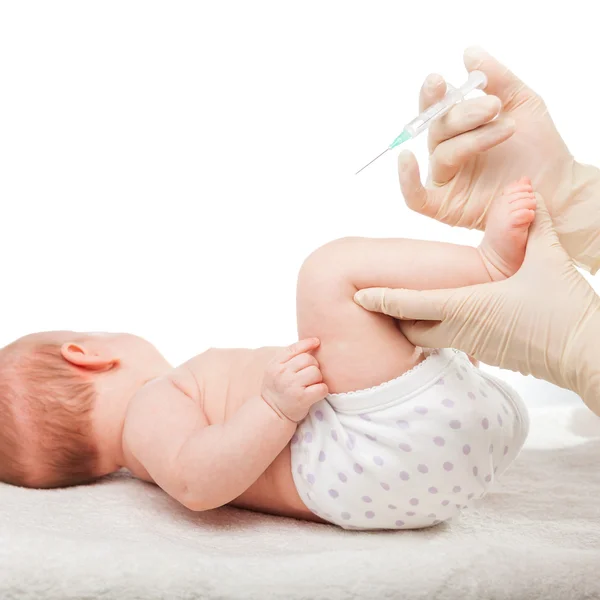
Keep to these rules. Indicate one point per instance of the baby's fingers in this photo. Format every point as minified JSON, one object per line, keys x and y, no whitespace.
{"x":309,"y":376}
{"x":315,"y":393}
{"x":299,"y":348}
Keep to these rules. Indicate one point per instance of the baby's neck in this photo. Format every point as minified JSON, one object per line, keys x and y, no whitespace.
{"x":108,"y":420}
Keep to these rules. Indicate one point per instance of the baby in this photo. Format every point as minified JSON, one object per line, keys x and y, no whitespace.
{"x":352,"y":425}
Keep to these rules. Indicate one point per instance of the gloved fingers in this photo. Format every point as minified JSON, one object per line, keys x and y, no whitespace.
{"x":543,"y":240}
{"x":428,"y":305}
{"x":501,"y":81}
{"x":465,"y":116}
{"x":450,"y":156}
{"x":426,"y":334}
{"x":432,"y":91}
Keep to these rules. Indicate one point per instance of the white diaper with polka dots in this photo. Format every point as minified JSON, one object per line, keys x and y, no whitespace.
{"x":411,"y":452}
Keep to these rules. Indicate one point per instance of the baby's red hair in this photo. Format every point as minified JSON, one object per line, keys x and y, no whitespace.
{"x":46,"y":437}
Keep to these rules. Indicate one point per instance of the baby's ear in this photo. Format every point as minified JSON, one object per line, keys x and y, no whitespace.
{"x":93,"y":359}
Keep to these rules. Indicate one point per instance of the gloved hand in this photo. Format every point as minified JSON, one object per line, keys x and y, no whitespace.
{"x":543,"y":321}
{"x":473,"y":158}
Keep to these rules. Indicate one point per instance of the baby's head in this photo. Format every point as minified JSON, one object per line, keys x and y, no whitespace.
{"x":63,"y":398}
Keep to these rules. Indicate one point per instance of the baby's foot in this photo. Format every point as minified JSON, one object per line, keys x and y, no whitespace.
{"x":508,"y":221}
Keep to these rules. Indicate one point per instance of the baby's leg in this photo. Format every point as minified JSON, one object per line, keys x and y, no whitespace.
{"x":360,"y":349}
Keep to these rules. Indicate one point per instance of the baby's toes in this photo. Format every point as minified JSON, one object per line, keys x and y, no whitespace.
{"x":522,"y":185}
{"x":522,"y":217}
{"x":522,"y":200}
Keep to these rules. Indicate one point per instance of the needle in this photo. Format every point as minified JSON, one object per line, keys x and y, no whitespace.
{"x":379,"y":155}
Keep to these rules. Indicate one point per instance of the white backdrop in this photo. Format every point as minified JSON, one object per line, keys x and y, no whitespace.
{"x":166,"y":166}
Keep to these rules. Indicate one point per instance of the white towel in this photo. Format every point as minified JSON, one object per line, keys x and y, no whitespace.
{"x":538,"y":536}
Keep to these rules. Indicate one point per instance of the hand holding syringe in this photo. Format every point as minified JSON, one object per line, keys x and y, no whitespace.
{"x":476,"y":80}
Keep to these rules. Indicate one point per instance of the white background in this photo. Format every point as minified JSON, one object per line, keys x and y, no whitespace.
{"x":166,"y":166}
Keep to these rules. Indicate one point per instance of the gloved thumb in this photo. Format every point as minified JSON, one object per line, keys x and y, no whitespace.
{"x":412,"y":189}
{"x":543,"y":243}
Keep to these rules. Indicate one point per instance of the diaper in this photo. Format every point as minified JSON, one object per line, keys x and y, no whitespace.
{"x":412,"y":452}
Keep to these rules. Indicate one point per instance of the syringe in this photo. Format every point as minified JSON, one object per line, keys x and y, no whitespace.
{"x":476,"y":80}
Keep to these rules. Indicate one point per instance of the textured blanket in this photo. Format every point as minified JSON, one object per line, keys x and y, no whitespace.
{"x":538,"y":536}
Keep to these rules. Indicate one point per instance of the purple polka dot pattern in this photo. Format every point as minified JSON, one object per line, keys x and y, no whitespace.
{"x":370,"y":437}
{"x":322,"y":456}
{"x":466,"y":449}
{"x":404,"y":446}
{"x":485,"y":423}
{"x":392,"y":506}
{"x":471,"y":395}
{"x":482,"y":392}
{"x":439,"y":382}
{"x":499,"y":420}
{"x":448,"y":466}
{"x":448,"y":403}
{"x":310,"y":478}
{"x":459,"y":376}
{"x":414,"y":501}
{"x":334,"y":435}
{"x":399,"y":523}
{"x":488,"y":478}
{"x":410,"y":513}
{"x":367,"y":499}
{"x":504,"y":409}
{"x":439,"y":441}
{"x":402,"y":424}
{"x":491,"y":449}
{"x":342,"y":477}
{"x":385,"y":486}
{"x":475,"y":471}
{"x":333,"y":493}
{"x":369,"y":514}
{"x":295,"y":438}
{"x":456,"y":489}
{"x":350,"y":442}
{"x":455,"y":424}
{"x":433,"y":490}
{"x":432,"y":515}
{"x":319,"y":415}
{"x":423,"y":469}
{"x":365,"y":417}
{"x":299,"y":469}
{"x":505,"y":450}
{"x":421,"y":410}
{"x":445,"y":502}
{"x":404,"y":476}
{"x":378,"y":460}
{"x":357,"y":468}
{"x":308,"y":437}
{"x":470,"y":496}
{"x":346,"y":516}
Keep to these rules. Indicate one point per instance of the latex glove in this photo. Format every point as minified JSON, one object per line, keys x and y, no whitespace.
{"x":473,"y":158}
{"x":543,"y":321}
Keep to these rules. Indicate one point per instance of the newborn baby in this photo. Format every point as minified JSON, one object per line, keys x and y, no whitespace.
{"x":352,"y":425}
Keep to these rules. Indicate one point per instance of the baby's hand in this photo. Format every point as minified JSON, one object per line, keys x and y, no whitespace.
{"x":293,"y":382}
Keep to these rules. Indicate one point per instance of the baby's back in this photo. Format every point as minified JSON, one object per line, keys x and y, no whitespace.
{"x":226,"y":379}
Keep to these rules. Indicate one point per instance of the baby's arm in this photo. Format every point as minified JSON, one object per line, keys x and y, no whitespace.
{"x":204,"y":466}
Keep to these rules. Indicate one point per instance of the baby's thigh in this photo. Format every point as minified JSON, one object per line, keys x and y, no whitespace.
{"x":359,"y":349}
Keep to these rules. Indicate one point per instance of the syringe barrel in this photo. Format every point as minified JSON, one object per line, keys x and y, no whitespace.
{"x":476,"y":79}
